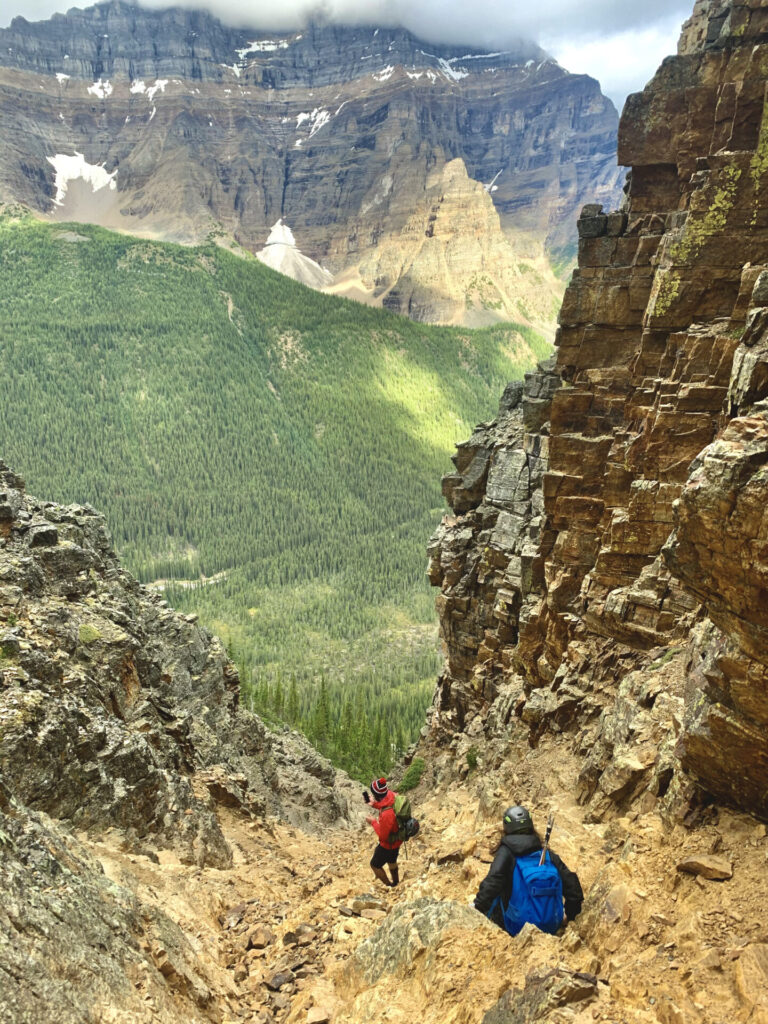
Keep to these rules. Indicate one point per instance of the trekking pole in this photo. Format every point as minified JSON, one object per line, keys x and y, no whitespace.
{"x":545,"y":847}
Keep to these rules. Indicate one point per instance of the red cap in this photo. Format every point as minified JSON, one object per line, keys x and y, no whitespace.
{"x":379,"y":788}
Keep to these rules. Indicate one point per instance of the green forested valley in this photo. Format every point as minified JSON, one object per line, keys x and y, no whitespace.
{"x":269,"y":456}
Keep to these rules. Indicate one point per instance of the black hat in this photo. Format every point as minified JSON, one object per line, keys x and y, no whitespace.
{"x":517,"y":821}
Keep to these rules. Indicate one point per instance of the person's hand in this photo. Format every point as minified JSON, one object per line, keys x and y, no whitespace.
{"x":370,"y":820}
{"x":366,"y":797}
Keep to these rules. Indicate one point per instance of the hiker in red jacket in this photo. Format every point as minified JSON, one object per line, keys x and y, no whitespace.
{"x":384,"y":826}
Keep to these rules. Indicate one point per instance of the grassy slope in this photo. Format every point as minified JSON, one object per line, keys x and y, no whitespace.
{"x":226,"y":418}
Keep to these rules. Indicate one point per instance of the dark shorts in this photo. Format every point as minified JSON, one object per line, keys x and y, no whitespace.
{"x":382,"y":856}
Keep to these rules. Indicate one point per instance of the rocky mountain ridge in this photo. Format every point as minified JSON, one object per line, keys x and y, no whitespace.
{"x":119,"y":38}
{"x":437,"y":181}
{"x":609,"y":524}
{"x":115,"y":712}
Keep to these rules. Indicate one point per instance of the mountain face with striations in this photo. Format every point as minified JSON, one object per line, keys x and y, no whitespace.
{"x":604,"y":573}
{"x":442,"y":182}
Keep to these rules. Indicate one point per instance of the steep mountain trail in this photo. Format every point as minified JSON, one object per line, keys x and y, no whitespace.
{"x":298,"y":930}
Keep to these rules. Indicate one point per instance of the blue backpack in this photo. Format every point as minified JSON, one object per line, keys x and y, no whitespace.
{"x":537,"y":896}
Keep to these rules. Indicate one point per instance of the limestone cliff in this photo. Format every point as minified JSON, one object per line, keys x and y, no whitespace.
{"x":439,"y":181}
{"x":611,"y":521}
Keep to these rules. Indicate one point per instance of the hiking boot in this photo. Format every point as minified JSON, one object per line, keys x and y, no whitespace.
{"x":395,"y":876}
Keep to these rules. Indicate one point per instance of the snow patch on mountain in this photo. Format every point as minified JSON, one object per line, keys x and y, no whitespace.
{"x":455,"y":74}
{"x":281,"y":254}
{"x":281,"y":234}
{"x":317,"y":119}
{"x":159,"y":86}
{"x":102,"y":89}
{"x":492,"y":186}
{"x":262,"y":46}
{"x":72,"y":168}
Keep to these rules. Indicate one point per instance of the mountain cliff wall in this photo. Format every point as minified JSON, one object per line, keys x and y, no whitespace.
{"x":611,"y":521}
{"x":437,"y":181}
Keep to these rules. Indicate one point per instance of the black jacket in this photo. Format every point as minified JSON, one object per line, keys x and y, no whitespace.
{"x":498,"y":881}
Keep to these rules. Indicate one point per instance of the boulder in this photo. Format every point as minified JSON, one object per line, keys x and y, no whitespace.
{"x":318,"y":1015}
{"x":752,"y":981}
{"x":278,"y":979}
{"x":260,"y":937}
{"x":543,"y":993}
{"x":707,"y":866}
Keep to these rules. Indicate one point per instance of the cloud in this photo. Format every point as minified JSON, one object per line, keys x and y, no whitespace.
{"x":618,"y":42}
{"x":441,"y":20}
{"x":623,"y":62}
{"x":479,"y":21}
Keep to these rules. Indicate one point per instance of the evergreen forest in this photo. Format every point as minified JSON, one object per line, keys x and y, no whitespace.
{"x":268,"y":456}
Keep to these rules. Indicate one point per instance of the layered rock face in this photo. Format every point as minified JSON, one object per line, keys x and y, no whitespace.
{"x":633,"y":516}
{"x":438,"y":181}
{"x":117,"y":713}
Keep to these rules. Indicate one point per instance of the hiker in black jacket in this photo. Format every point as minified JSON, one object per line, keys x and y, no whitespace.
{"x":519,"y":839}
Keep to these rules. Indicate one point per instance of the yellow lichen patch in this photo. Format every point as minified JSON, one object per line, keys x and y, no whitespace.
{"x":666,"y":290}
{"x":22,"y":709}
{"x":88,"y":634}
{"x":759,"y":163}
{"x":698,"y":230}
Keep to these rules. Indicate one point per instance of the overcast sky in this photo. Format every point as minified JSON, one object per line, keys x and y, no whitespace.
{"x":619,"y":42}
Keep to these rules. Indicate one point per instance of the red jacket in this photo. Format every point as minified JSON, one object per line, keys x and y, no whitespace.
{"x":387,"y":823}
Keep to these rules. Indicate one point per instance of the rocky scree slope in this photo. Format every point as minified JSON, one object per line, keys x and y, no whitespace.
{"x":145,"y":878}
{"x":612,"y":519}
{"x":436,"y":181}
{"x":293,"y":931}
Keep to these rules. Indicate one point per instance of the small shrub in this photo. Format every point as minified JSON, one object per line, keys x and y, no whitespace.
{"x":472,"y":758}
{"x":413,"y":774}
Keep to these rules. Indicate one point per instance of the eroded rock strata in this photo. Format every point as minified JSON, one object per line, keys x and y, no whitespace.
{"x":613,"y":522}
{"x":437,"y":181}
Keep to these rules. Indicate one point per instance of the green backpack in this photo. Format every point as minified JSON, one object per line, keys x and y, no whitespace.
{"x":407,"y":826}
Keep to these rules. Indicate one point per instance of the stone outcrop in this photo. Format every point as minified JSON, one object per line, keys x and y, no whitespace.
{"x":83,"y":947}
{"x":117,"y":713}
{"x":438,"y":181}
{"x":641,"y":530}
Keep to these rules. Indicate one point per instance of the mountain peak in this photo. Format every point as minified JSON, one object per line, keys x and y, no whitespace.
{"x":345,"y":132}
